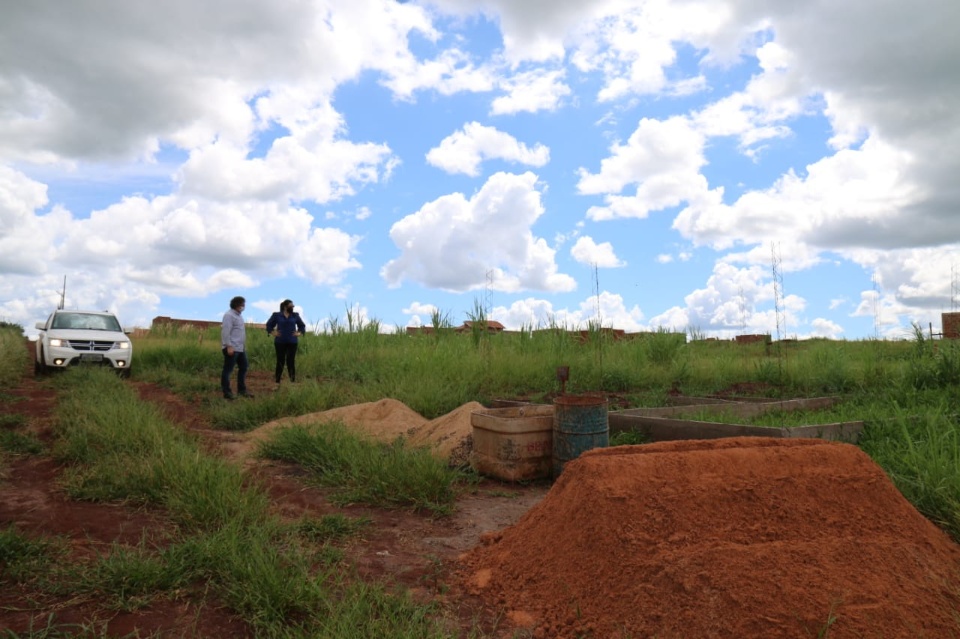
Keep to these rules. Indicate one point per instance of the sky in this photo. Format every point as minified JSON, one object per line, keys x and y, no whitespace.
{"x":719,"y":167}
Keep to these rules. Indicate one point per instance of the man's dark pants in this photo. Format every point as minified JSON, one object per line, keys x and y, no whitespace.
{"x":238,"y":359}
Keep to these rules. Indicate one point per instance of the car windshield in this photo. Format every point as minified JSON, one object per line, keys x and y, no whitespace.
{"x":85,"y":321}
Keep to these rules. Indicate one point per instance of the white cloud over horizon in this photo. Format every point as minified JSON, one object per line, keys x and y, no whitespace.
{"x":161,"y":159}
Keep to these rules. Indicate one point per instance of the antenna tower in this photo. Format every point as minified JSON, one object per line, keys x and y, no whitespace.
{"x":778,"y":308}
{"x":63,"y":295}
{"x":488,"y":294}
{"x":877,"y":321}
{"x":777,"y":289}
{"x":742,"y":303}
{"x":954,"y":288}
{"x":596,"y":291}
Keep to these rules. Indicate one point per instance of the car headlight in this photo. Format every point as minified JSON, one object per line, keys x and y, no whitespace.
{"x":56,"y":342}
{"x":123,"y":345}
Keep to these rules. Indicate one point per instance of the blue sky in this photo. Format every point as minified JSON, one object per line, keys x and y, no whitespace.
{"x":642,"y":163}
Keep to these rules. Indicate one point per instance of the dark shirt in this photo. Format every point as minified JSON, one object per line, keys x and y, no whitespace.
{"x":286,"y":326}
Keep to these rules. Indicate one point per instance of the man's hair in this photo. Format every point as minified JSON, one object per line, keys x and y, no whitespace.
{"x":284,"y":303}
{"x":237,"y":302}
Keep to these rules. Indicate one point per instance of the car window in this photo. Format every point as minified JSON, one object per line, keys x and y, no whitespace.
{"x":84,"y":321}
{"x":63,"y":320}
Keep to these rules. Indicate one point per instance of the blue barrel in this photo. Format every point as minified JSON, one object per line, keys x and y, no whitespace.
{"x":579,"y":424}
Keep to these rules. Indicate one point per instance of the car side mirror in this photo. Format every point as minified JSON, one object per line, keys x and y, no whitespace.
{"x":128,"y":331}
{"x":41,"y":326}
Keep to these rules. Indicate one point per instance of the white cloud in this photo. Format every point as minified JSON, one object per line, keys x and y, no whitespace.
{"x":449,"y":73}
{"x":310,"y":164}
{"x":538,"y":313}
{"x":530,"y":92}
{"x":821,"y":327}
{"x":533,"y":30}
{"x":117,"y":85}
{"x":849,"y":199}
{"x":464,"y":150}
{"x":326,"y":256}
{"x":453,"y":243}
{"x":662,"y":157}
{"x":421,"y":314}
{"x":26,"y":239}
{"x":588,"y":252}
{"x":94,"y":91}
{"x":417,"y":308}
{"x":733,"y":301}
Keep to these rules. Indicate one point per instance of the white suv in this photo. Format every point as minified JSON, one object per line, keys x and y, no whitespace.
{"x":69,"y":338}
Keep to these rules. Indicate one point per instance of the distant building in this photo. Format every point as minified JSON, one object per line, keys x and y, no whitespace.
{"x":420,"y":330}
{"x":492,"y":326}
{"x":162,"y":320}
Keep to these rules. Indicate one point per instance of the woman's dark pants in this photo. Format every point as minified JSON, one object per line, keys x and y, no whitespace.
{"x":286,"y":355}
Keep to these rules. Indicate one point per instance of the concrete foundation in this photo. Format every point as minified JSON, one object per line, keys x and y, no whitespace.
{"x":668,"y":422}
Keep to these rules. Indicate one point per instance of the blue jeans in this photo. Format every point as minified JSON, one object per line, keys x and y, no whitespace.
{"x":238,"y":359}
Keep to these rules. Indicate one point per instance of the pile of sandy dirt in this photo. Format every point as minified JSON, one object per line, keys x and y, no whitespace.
{"x":449,"y":436}
{"x":743,"y":537}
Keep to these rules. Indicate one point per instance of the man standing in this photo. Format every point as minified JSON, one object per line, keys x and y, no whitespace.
{"x":233,"y":338}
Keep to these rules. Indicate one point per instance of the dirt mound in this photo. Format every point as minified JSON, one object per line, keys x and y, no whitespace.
{"x":745,"y":537}
{"x":449,"y":436}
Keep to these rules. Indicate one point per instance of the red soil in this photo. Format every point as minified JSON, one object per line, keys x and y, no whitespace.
{"x":746,"y":537}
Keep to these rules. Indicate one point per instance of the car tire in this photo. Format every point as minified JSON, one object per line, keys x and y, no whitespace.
{"x":125,"y":373}
{"x":40,"y":366}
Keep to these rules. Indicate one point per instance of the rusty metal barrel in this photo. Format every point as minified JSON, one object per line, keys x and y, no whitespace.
{"x":579,"y":424}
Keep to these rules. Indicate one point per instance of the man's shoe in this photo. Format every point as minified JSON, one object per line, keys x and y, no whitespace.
{"x":229,"y":396}
{"x":246,"y":394}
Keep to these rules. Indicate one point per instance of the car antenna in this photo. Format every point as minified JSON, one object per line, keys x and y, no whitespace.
{"x":63,"y":294}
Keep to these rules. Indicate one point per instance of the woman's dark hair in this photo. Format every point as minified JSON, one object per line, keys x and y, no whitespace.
{"x":284,"y":304}
{"x":237,"y":302}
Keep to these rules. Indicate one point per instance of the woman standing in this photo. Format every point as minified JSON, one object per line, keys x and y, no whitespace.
{"x":286,"y":326}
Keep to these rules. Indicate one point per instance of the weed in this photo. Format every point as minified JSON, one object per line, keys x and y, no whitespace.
{"x":22,"y":557}
{"x":330,"y":527}
{"x":364,"y":471}
{"x":49,"y":628}
{"x":20,"y":443}
{"x":628,"y":438}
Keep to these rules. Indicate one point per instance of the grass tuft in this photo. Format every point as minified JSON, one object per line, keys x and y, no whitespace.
{"x":364,"y":471}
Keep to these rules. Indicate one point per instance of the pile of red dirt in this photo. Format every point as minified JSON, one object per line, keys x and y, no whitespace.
{"x":742,"y":537}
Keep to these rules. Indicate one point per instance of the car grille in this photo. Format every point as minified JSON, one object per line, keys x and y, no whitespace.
{"x":92,"y":346}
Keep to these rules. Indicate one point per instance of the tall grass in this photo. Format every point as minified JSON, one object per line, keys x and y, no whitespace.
{"x":920,"y":451}
{"x":14,"y":356}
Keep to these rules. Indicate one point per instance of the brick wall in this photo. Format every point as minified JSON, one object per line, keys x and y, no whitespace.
{"x":951,"y":325}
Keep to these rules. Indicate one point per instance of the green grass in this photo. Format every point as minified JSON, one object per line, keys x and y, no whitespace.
{"x":49,"y":628}
{"x":289,"y":579}
{"x":329,"y":528}
{"x":14,"y":356}
{"x":920,"y":451}
{"x":364,"y":471}
{"x":283,"y":579}
{"x":434,"y":374}
{"x":22,"y":557}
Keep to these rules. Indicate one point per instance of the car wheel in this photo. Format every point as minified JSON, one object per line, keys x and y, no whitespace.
{"x":40,"y":366}
{"x":125,"y":373}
